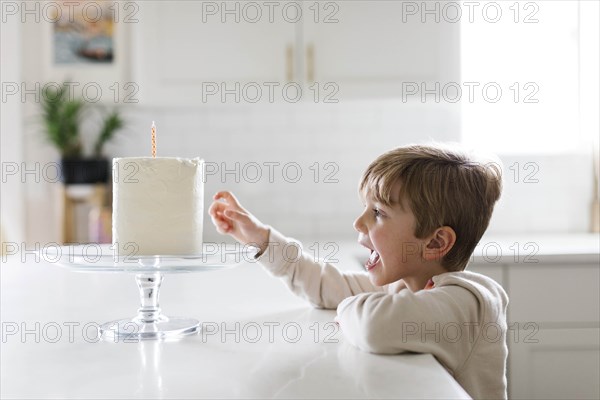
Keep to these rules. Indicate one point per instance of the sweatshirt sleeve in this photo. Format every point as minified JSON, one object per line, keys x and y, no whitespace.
{"x":441,"y":321}
{"x":323,"y":285}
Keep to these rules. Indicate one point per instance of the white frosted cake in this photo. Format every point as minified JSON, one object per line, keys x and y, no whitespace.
{"x":158,"y":205}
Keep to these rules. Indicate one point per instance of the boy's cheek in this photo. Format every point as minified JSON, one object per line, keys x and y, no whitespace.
{"x":410,"y":250}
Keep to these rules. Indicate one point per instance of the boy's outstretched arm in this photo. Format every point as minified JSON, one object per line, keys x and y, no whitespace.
{"x":321,"y":284}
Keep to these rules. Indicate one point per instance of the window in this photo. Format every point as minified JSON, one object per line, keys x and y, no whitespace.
{"x":527,"y":59}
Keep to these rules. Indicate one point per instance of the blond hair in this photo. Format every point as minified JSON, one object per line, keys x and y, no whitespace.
{"x":442,"y":186}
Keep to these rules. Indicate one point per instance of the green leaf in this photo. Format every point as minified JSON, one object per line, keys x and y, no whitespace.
{"x":112,"y":123}
{"x":61,"y":116}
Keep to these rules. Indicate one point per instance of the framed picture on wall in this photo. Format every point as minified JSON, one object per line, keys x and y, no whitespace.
{"x":86,"y":43}
{"x":83,"y":35}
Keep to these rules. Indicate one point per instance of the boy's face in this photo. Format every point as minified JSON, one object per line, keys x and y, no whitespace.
{"x":388,"y":232}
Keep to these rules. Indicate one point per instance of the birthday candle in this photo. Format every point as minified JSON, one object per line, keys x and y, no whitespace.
{"x":153,"y":139}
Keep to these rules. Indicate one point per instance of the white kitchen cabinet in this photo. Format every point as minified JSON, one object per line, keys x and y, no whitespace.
{"x":554,"y":293}
{"x":554,"y":337}
{"x":554,"y":363}
{"x":553,"y":317}
{"x":191,"y":53}
{"x":373,"y":48}
{"x":182,"y":49}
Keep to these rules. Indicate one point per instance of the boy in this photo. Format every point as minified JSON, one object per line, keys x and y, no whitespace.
{"x":426,"y":208}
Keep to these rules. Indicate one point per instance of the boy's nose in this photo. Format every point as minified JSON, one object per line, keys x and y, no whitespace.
{"x":358,"y":225}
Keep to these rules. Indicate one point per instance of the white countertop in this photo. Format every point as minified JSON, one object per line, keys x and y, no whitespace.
{"x":202,"y":366}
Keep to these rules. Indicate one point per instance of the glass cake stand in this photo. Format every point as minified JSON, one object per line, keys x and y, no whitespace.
{"x":149,"y":323}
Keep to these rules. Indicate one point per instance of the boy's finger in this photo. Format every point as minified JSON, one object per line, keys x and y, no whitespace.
{"x":218,"y":210}
{"x":228,"y":197}
{"x":214,"y":208}
{"x":219,"y":218}
{"x":221,"y":195}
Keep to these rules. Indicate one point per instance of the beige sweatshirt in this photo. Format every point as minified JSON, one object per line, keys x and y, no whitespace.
{"x":461,"y":320}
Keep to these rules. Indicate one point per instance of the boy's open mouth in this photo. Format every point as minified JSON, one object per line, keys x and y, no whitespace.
{"x":372,"y":261}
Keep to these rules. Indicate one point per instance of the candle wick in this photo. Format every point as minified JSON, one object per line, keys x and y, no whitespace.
{"x":153,"y":140}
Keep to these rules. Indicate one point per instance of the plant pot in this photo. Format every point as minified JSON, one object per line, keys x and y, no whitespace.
{"x":84,"y":170}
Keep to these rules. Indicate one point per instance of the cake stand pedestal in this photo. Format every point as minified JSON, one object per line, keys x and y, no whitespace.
{"x":149,"y":323}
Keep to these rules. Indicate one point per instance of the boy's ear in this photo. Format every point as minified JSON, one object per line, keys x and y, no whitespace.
{"x":439,"y":243}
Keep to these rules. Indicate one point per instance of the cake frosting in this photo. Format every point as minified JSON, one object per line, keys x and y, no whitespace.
{"x":158,"y":205}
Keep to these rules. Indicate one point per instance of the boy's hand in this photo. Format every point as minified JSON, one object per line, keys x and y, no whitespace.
{"x":231,"y":218}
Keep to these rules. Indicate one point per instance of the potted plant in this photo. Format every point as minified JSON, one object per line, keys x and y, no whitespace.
{"x":61,"y":116}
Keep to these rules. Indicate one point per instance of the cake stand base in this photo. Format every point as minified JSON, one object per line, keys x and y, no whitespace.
{"x":150,"y":323}
{"x":134,"y":330}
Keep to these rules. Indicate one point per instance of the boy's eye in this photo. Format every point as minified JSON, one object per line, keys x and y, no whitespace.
{"x":376,"y":213}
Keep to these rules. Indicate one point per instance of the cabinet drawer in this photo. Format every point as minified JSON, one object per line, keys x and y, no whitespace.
{"x":554,"y":364}
{"x":554,"y":293}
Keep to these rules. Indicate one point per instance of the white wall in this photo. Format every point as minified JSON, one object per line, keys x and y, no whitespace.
{"x":11,"y":202}
{"x":551,"y":193}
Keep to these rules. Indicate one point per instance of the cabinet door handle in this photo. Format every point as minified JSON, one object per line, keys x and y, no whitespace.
{"x":310,"y":63}
{"x":289,"y":63}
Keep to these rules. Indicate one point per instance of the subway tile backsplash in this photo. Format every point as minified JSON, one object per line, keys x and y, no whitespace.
{"x":257,"y":151}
